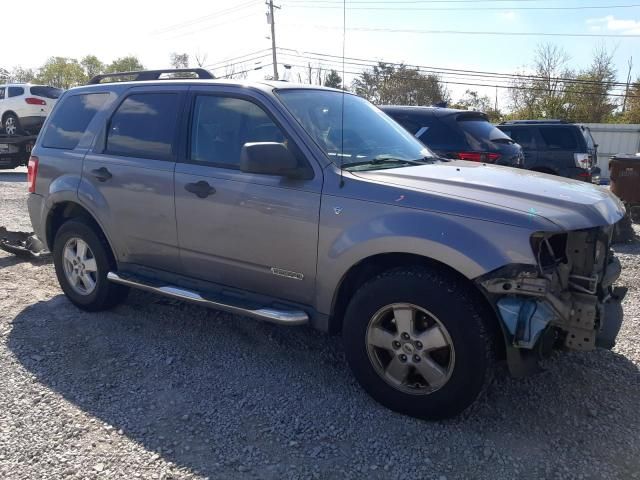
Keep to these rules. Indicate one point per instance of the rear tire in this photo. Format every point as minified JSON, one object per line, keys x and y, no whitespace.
{"x":443,"y":359}
{"x":11,"y":124}
{"x":82,"y":259}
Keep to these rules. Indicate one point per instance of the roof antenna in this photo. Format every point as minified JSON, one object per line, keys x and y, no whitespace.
{"x":344,"y":30}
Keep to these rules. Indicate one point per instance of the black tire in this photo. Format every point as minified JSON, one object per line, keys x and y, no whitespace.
{"x":450,"y":300}
{"x":106,"y":294}
{"x":11,"y":124}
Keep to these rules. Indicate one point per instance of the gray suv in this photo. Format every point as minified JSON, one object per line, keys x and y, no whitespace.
{"x":306,"y":205}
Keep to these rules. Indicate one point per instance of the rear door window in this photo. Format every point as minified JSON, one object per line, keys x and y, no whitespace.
{"x":2,"y":93}
{"x":46,"y":92}
{"x":70,"y":120}
{"x":559,"y":138}
{"x":15,"y":91}
{"x":144,"y":126}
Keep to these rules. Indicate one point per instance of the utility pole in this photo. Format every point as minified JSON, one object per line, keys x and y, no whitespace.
{"x":272,"y":21}
{"x":626,"y":93}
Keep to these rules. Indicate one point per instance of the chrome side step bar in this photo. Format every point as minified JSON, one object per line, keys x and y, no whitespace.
{"x":268,"y":314}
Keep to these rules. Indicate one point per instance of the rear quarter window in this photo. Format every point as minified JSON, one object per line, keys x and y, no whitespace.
{"x":70,"y":120}
{"x":559,"y":138}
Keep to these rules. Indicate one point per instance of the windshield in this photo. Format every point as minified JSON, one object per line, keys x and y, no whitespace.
{"x":368,"y":134}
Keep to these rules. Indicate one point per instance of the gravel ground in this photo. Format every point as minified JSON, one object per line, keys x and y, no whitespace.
{"x":165,"y":390}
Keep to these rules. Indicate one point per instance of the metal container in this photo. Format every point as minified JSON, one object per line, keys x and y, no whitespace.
{"x":624,"y":172}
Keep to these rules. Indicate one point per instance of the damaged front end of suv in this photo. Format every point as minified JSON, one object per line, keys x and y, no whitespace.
{"x":567,"y":300}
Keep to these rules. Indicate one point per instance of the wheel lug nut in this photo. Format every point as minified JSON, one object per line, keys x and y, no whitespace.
{"x":403,"y":358}
{"x":416,"y":358}
{"x":405,"y":336}
{"x":419,"y":344}
{"x":396,"y":344}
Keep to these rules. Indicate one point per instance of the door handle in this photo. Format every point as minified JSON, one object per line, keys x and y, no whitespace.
{"x":201,"y":189}
{"x":101,"y":174}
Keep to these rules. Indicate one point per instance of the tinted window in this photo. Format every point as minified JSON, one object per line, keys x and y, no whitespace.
{"x":1,"y":93}
{"x":144,"y":125}
{"x":481,"y":129}
{"x":15,"y":91}
{"x":440,"y":136}
{"x":522,"y":136}
{"x":559,"y":138}
{"x":222,"y":125}
{"x":46,"y":92}
{"x":70,"y":120}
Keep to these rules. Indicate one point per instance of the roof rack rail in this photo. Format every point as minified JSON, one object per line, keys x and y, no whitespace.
{"x":149,"y":75}
{"x":532,"y":122}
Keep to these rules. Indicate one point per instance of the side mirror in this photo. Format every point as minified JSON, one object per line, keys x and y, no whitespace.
{"x":268,"y":158}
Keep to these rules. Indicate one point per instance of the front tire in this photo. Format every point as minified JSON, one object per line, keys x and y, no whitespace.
{"x":417,"y":342}
{"x":82,"y":259}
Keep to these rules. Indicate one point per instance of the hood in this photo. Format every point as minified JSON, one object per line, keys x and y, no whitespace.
{"x":480,"y":190}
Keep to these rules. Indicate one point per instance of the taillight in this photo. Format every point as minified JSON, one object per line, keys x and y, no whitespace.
{"x":585,"y":176}
{"x":35,"y":101}
{"x":583,"y":160}
{"x":478,"y":156}
{"x":32,"y":173}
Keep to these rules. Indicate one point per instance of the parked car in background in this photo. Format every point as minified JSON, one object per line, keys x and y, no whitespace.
{"x":458,"y":134}
{"x":23,"y":107}
{"x":556,"y":147}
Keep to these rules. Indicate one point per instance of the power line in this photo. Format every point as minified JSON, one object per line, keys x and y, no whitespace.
{"x":410,"y":1}
{"x":312,"y":4}
{"x":509,"y":87}
{"x":244,"y":58}
{"x":209,"y":27}
{"x":216,"y":14}
{"x":246,"y":70}
{"x":466,"y":32}
{"x":508,"y":76}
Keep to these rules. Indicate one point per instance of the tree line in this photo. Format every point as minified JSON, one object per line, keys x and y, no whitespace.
{"x":548,"y":88}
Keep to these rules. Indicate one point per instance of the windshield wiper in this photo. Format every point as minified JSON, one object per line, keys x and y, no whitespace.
{"x":386,"y":160}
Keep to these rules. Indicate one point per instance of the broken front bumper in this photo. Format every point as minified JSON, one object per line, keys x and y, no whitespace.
{"x":569,"y":298}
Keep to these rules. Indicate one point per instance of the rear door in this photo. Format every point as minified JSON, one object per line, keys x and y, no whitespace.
{"x":250,"y":231}
{"x":131,"y":167}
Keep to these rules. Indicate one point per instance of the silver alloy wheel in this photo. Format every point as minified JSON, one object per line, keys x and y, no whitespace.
{"x":80,"y":266}
{"x":410,"y":348}
{"x":10,"y":126}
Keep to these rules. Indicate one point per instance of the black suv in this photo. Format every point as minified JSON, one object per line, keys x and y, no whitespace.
{"x":458,"y":134}
{"x":556,"y":147}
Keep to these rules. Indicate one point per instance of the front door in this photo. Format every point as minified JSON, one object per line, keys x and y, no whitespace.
{"x":250,"y":231}
{"x":132,"y":167}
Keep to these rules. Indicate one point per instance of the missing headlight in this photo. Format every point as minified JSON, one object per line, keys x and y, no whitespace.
{"x":550,"y":250}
